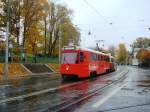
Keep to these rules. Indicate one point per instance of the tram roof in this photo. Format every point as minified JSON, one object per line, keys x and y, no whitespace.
{"x":85,"y":49}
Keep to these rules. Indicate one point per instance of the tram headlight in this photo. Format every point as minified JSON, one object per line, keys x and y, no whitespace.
{"x":67,"y":67}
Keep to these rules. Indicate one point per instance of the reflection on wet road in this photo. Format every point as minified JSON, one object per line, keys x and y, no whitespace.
{"x":134,"y":96}
{"x":34,"y":83}
{"x":42,"y":94}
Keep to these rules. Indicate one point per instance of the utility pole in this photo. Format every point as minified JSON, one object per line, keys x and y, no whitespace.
{"x":7,"y":38}
{"x":18,"y":23}
{"x":60,"y":36}
{"x":98,"y":41}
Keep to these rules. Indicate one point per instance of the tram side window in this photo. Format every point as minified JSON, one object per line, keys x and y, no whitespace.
{"x":104,"y":58}
{"x":93,"y":57}
{"x":99,"y":57}
{"x":81,"y":56}
{"x":112,"y":60}
{"x":107,"y":59}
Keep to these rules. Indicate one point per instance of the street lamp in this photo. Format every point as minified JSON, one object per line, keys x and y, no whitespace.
{"x":60,"y":36}
{"x":7,"y":37}
{"x":17,"y":29}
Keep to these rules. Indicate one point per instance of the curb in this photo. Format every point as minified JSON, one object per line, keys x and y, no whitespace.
{"x":26,"y":68}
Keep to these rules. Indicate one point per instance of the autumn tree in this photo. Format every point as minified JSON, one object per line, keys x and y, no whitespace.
{"x":45,"y":22}
{"x":35,"y":40}
{"x":141,"y":42}
{"x":122,"y":53}
{"x":2,"y":13}
{"x":31,"y":15}
{"x":2,"y":46}
{"x":42,"y":23}
{"x":14,"y":17}
{"x":144,"y":57}
{"x":60,"y":26}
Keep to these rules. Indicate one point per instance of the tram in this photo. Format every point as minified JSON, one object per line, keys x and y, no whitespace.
{"x":83,"y":62}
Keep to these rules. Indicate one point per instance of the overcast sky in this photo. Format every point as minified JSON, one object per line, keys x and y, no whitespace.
{"x":130,"y":19}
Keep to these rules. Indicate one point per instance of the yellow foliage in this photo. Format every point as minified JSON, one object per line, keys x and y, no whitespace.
{"x":34,"y":37}
{"x":122,"y":53}
{"x":2,"y":45}
{"x":55,"y":67}
{"x":144,"y":56}
{"x":14,"y":70}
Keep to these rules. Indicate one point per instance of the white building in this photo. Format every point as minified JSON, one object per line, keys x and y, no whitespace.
{"x":148,"y":48}
{"x":135,"y":61}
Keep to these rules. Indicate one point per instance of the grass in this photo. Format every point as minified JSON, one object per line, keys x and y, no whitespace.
{"x":15,"y":70}
{"x":55,"y":67}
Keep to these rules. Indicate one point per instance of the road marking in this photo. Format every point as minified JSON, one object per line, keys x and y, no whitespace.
{"x":100,"y":102}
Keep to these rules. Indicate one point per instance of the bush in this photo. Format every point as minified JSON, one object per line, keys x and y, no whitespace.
{"x":16,"y":58}
{"x":16,"y":51}
{"x":144,"y":57}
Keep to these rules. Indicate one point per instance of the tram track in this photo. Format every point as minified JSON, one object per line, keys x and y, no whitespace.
{"x":76,"y":100}
{"x":10,"y":99}
{"x":56,"y":91}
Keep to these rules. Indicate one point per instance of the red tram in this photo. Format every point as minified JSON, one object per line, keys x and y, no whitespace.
{"x":82,"y":62}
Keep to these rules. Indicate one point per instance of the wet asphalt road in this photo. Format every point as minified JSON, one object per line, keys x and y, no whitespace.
{"x":133,"y":95}
{"x":49,"y":93}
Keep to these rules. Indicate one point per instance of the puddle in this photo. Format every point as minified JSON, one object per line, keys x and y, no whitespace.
{"x":127,"y":89}
{"x":145,"y":81}
{"x":144,"y":85}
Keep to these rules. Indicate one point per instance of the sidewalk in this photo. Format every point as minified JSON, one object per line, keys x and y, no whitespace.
{"x":28,"y":84}
{"x":19,"y":71}
{"x":18,"y":77}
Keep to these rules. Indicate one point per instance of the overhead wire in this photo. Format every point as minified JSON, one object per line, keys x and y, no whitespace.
{"x":110,"y":23}
{"x":97,"y":11}
{"x":100,"y":15}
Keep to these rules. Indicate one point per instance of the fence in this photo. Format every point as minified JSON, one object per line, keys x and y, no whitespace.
{"x":29,"y":59}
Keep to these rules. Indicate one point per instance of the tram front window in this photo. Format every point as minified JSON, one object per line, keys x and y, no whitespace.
{"x":69,"y":58}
